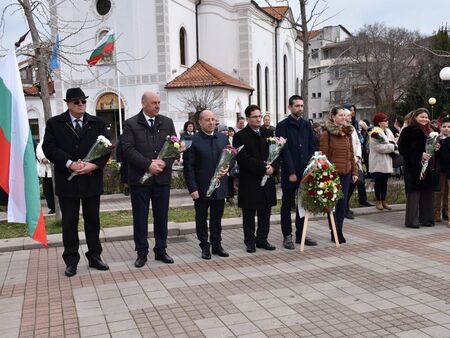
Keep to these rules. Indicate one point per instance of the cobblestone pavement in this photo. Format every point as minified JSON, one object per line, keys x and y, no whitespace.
{"x":386,"y":281}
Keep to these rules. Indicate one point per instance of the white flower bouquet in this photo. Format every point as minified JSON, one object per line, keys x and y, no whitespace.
{"x":430,"y":145}
{"x":276,"y":145}
{"x":101,"y":147}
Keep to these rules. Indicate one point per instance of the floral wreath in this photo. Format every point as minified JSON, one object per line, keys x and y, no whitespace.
{"x":321,"y":187}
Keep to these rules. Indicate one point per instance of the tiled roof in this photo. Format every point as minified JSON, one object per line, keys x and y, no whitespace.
{"x":34,"y":90}
{"x":202,"y":74}
{"x":277,"y":12}
{"x":312,"y":34}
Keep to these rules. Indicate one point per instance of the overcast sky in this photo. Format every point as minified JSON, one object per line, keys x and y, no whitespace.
{"x":424,"y":16}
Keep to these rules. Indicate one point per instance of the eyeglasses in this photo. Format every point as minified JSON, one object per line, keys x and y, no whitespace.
{"x":77,"y":102}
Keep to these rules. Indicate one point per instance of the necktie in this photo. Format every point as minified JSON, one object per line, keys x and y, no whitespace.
{"x":152,"y":126}
{"x":78,"y":126}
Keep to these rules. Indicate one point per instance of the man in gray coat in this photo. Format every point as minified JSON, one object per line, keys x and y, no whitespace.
{"x":143,"y":137}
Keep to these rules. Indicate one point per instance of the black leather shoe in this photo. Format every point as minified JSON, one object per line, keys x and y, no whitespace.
{"x":51,"y":211}
{"x":266,"y":245}
{"x":140,"y":261}
{"x":71,"y":270}
{"x":251,"y":248}
{"x":349,"y":215}
{"x":98,"y":264}
{"x":366,"y":204}
{"x":219,"y":251}
{"x":413,"y":226}
{"x":310,"y":242}
{"x":429,"y":224}
{"x":164,"y":257}
{"x":206,"y":254}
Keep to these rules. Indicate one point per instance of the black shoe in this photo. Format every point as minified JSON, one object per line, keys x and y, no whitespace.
{"x":366,"y":204}
{"x":140,"y":261}
{"x":71,"y":270}
{"x":206,"y":254}
{"x":98,"y":264}
{"x":429,"y":224}
{"x":340,"y":236}
{"x":444,"y":216}
{"x":164,"y":257}
{"x":309,"y":241}
{"x":413,"y":226}
{"x":126,"y":191}
{"x":349,"y":215}
{"x":266,"y":245}
{"x":251,"y":248}
{"x":51,"y":211}
{"x":219,"y":251}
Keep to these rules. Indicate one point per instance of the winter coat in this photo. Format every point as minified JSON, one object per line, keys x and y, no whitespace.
{"x":252,"y":167}
{"x":411,"y":145}
{"x":298,"y":150}
{"x":336,"y":144}
{"x":444,"y":156}
{"x":380,"y":160}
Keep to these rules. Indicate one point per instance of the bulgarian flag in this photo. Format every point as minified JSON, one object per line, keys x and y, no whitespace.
{"x":18,"y":173}
{"x":105,"y":45}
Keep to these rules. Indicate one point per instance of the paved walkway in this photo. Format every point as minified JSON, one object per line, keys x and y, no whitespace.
{"x":386,"y":281}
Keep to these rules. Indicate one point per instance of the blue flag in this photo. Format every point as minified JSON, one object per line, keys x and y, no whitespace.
{"x":54,"y":59}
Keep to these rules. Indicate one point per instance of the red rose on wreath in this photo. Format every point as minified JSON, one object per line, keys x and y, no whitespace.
{"x":324,"y":166}
{"x":312,"y":192}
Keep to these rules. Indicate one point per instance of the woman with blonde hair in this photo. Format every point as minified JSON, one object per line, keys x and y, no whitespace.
{"x":336,"y":144}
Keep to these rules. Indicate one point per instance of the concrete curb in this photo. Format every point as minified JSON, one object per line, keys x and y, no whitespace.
{"x":175,"y":229}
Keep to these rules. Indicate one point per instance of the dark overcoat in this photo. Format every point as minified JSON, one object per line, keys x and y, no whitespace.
{"x":141,"y":144}
{"x":411,"y":145}
{"x":200,"y":162}
{"x":252,"y":167}
{"x":299,"y":148}
{"x":61,"y":143}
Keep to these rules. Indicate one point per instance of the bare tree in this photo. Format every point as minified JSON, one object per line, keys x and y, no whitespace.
{"x":378,"y":63}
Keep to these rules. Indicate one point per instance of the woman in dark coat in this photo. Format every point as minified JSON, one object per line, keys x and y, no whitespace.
{"x":419,"y":193}
{"x":188,"y":131}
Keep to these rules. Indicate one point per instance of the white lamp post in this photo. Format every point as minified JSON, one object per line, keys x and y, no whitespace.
{"x":432,"y":102}
{"x":444,"y":74}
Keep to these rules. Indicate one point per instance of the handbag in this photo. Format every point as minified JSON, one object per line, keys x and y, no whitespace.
{"x":361,"y":177}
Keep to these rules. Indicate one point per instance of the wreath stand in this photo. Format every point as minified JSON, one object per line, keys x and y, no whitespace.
{"x":305,"y":227}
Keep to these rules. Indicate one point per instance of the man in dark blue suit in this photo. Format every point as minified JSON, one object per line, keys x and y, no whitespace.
{"x":68,"y":138}
{"x":296,"y":153}
{"x":200,"y":162}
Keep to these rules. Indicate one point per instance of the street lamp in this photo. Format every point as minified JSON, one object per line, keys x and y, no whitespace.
{"x":444,"y":74}
{"x":432,"y":102}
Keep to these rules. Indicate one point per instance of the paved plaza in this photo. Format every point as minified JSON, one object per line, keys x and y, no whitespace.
{"x":387,"y":281}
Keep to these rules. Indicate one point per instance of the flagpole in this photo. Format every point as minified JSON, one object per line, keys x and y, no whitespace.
{"x":118,"y":80}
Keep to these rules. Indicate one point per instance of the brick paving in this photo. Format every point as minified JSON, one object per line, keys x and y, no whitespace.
{"x":387,"y":281}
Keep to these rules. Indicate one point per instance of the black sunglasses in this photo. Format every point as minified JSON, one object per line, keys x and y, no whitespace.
{"x":77,"y":102}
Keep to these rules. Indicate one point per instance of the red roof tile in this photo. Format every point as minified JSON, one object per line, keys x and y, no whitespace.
{"x":278,"y":12}
{"x":312,"y":34}
{"x":202,"y":74}
{"x":34,"y":90}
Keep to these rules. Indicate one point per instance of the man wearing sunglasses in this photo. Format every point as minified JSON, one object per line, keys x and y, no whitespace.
{"x":68,"y":138}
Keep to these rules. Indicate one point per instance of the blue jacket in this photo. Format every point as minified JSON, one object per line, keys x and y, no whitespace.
{"x":298,"y":149}
{"x":200,"y":161}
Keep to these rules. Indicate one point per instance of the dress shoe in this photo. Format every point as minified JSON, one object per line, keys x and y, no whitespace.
{"x":385,"y":205}
{"x":349,"y":215}
{"x":206,"y":254}
{"x":366,"y":204}
{"x":340,"y":236}
{"x":98,"y":264}
{"x":71,"y":270}
{"x":413,"y":226}
{"x":164,"y":257}
{"x":287,"y":242}
{"x":140,"y":261}
{"x":219,"y":251}
{"x":429,"y":224}
{"x":265,"y":245}
{"x":51,"y":211}
{"x":310,"y":241}
{"x":251,"y":248}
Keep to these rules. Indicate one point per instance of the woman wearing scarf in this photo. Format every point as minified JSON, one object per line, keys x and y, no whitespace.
{"x":336,"y":144}
{"x":419,"y":193}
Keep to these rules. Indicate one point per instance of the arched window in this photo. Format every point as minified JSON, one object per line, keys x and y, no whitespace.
{"x":182,"y":46}
{"x":285,"y":82}
{"x":258,"y":85}
{"x":266,"y":86}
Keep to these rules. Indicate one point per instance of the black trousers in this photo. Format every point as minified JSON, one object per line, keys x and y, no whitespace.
{"x":47,"y":188}
{"x":287,"y":202}
{"x":216,"y":208}
{"x":248,"y":219}
{"x":419,"y":207}
{"x":362,"y":194}
{"x":70,"y":210}
{"x":380,"y":186}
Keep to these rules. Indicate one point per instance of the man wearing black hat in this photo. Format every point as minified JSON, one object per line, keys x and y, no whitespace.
{"x":68,"y":138}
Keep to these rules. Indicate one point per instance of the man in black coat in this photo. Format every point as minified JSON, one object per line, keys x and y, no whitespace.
{"x":200,"y":162}
{"x":143,"y":137}
{"x":252,"y":198}
{"x":68,"y":138}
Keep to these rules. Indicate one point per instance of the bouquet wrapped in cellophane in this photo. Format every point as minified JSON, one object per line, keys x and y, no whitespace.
{"x":320,"y":186}
{"x":101,"y":147}
{"x":172,"y":148}
{"x":432,"y":139}
{"x":228,"y":154}
{"x":276,"y":145}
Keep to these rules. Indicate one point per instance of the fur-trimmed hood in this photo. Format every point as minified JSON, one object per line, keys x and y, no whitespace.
{"x":338,"y":129}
